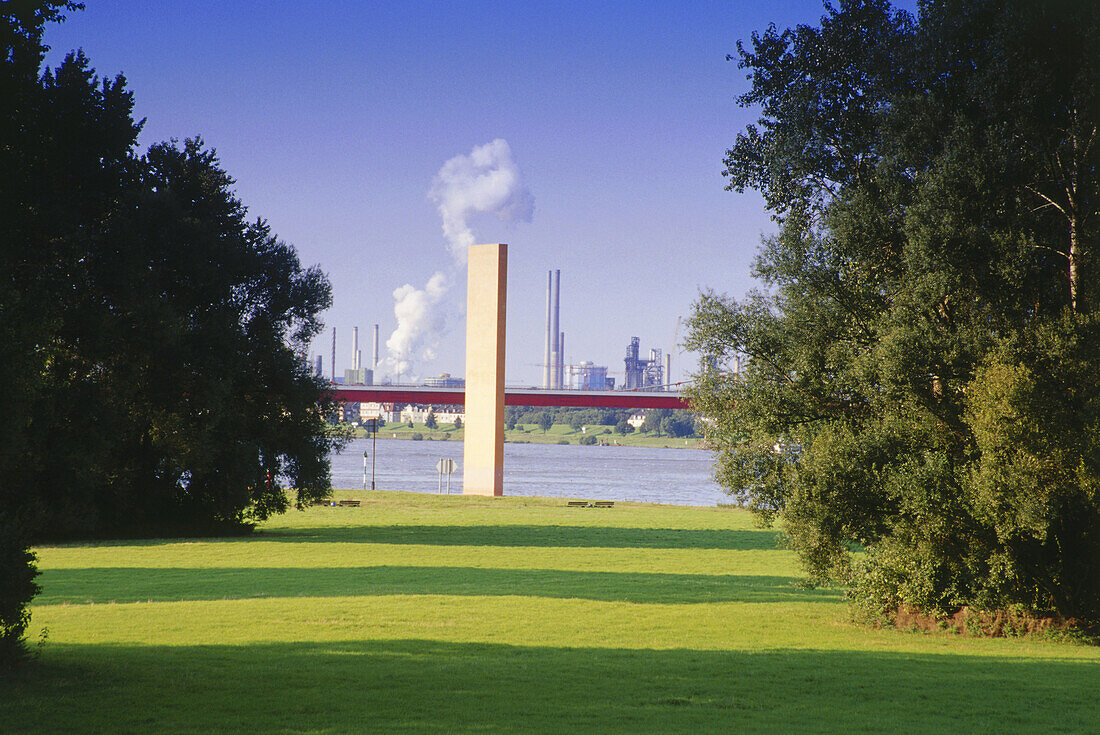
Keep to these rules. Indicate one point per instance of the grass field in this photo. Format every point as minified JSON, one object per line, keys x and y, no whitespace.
{"x":437,"y":614}
{"x":531,"y":434}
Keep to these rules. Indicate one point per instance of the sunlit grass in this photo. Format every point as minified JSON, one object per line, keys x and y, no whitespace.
{"x":424,"y":613}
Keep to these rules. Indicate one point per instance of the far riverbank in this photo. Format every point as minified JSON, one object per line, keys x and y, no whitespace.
{"x":530,"y":434}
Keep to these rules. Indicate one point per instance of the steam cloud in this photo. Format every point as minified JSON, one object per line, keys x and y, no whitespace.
{"x":487,"y":181}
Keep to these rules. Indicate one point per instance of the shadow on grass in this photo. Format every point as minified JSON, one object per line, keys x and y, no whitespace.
{"x":140,"y":584}
{"x":417,"y":686}
{"x":532,"y":535}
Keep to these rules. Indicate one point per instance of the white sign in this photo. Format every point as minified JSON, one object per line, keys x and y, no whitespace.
{"x":445,"y":466}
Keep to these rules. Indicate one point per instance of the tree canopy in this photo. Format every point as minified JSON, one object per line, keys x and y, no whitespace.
{"x":153,"y":380}
{"x":920,"y":377}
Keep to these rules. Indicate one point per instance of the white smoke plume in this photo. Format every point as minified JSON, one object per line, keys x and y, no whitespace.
{"x":418,"y":320}
{"x":485,"y":181}
{"x":488,"y":181}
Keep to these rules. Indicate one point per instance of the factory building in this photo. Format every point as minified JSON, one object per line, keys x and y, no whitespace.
{"x":445,"y":381}
{"x":588,"y":376}
{"x":643,"y":373}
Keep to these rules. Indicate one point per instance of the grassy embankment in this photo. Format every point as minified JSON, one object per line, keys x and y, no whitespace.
{"x":427,"y":614}
{"x":531,"y":434}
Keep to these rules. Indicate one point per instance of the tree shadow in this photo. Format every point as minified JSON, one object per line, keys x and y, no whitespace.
{"x":531,"y":535}
{"x":423,"y":686}
{"x":141,"y":584}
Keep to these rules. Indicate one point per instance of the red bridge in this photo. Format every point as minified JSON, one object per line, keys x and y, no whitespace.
{"x":513,"y":396}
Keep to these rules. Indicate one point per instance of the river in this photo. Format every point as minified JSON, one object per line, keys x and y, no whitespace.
{"x":645,"y":474}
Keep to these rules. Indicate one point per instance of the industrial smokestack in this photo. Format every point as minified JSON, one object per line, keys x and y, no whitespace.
{"x":668,"y":371}
{"x":374,"y":365}
{"x":561,"y":360}
{"x":546,"y":364}
{"x":355,"y":348}
{"x":333,"y":363}
{"x":555,"y":351}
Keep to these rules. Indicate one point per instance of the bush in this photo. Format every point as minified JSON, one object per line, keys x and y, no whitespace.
{"x":588,"y":439}
{"x":417,"y":436}
{"x":623,"y":427}
{"x":17,"y":589}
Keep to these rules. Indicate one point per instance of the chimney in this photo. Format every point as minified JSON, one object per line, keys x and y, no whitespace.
{"x":332,"y":365}
{"x":355,"y":348}
{"x":561,"y":360}
{"x":546,"y":365}
{"x":374,"y":366}
{"x":555,"y":348}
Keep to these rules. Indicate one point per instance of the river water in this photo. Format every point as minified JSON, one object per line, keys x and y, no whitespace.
{"x":651,"y":475}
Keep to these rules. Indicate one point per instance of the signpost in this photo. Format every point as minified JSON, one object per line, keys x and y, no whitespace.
{"x":371,"y":426}
{"x":445,"y":467}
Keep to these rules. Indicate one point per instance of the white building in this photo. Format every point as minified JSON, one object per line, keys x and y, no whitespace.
{"x":373,"y":410}
{"x":418,"y":414}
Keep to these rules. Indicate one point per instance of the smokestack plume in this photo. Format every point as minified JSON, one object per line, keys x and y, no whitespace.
{"x":487,"y":181}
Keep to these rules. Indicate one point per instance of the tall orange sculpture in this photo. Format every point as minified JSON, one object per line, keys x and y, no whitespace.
{"x":486,"y":297}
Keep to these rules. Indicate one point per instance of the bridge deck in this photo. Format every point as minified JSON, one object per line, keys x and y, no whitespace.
{"x":513,"y":396}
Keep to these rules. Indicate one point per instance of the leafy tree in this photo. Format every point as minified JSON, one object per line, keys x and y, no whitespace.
{"x":458,"y":422}
{"x":429,"y":421}
{"x":917,"y":379}
{"x":151,"y":329}
{"x":678,"y":424}
{"x":545,"y":421}
{"x":576,"y":420}
{"x":654,"y":418}
{"x":623,"y":427}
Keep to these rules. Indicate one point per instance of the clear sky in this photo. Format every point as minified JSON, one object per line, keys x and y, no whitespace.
{"x":335,"y":118}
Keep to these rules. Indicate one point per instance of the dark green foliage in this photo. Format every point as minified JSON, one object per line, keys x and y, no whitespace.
{"x":623,"y":428}
{"x":588,"y":439}
{"x":920,"y":376}
{"x":653,"y":419}
{"x":17,"y":589}
{"x":546,"y":420}
{"x":151,"y":382}
{"x":575,"y":417}
{"x":430,"y":421}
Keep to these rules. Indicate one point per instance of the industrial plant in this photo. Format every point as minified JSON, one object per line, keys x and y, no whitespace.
{"x":642,"y":373}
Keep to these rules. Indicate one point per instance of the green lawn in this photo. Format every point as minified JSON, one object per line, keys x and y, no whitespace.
{"x":438,"y":614}
{"x":531,"y":434}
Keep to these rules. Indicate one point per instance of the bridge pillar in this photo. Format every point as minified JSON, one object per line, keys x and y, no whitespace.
{"x":486,"y":297}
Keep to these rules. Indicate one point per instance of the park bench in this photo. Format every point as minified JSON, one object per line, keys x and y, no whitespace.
{"x":349,"y":503}
{"x":603,"y":504}
{"x":593,"y":504}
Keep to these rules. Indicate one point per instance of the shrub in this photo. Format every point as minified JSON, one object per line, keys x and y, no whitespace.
{"x":17,"y":588}
{"x":417,"y":437}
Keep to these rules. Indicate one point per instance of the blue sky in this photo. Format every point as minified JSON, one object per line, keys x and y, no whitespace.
{"x":335,"y":118}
